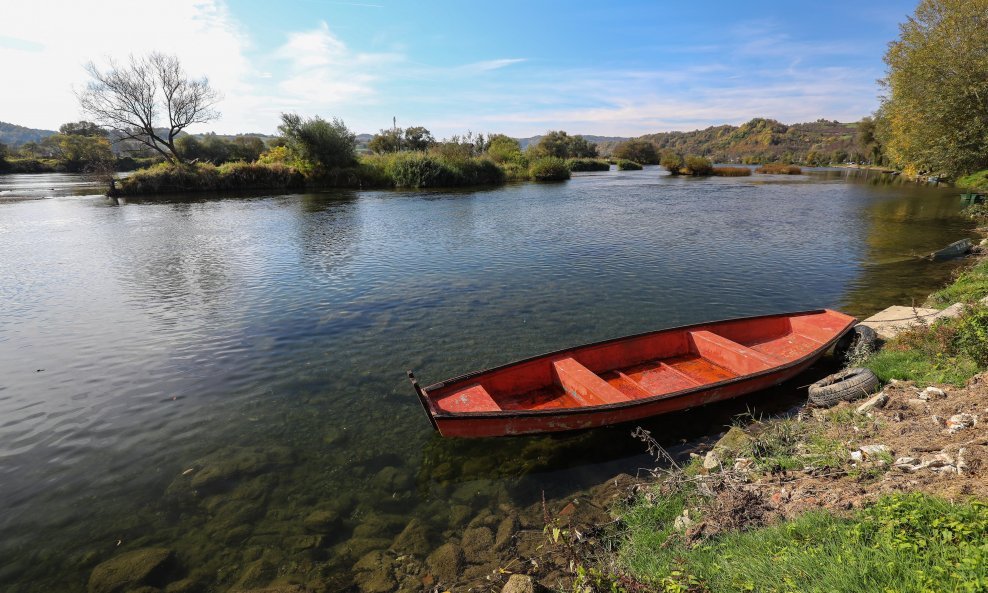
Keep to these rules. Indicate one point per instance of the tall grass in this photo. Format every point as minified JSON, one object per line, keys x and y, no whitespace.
{"x":732,"y":171}
{"x":626,"y":165}
{"x":168,"y":178}
{"x":420,"y":169}
{"x":585,"y":164}
{"x":549,"y":169}
{"x":779,"y":169}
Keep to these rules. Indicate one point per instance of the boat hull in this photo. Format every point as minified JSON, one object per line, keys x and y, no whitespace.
{"x":631,"y":378}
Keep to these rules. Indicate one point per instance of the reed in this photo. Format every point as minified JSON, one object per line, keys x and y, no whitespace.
{"x":732,"y":171}
{"x":585,"y":164}
{"x":779,"y":169}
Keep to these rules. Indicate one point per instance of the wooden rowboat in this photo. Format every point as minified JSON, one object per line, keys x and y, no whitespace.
{"x":633,"y":377}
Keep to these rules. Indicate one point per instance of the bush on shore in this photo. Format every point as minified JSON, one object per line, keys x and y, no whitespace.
{"x":672,"y":162}
{"x":585,"y":164}
{"x":170,"y":178}
{"x":420,"y":169}
{"x":779,"y":169}
{"x":626,"y":165}
{"x":697,"y":166}
{"x":549,"y":169}
{"x":732,"y":171}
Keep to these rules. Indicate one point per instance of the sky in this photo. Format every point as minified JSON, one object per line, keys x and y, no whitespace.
{"x":514,"y":67}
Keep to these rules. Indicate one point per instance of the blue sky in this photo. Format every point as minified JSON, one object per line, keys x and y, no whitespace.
{"x":606,"y":68}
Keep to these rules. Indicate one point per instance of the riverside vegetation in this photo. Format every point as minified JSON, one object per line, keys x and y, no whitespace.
{"x":860,"y":497}
{"x":319,"y":153}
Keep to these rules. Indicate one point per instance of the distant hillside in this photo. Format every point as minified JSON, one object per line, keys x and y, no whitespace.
{"x":760,"y":140}
{"x":599,"y":140}
{"x":13,"y":135}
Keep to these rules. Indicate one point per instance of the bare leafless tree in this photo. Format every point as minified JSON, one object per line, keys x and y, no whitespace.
{"x":150,"y":100}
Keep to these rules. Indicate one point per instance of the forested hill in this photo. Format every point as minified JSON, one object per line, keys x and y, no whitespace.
{"x":762,"y":140}
{"x":14,"y":135}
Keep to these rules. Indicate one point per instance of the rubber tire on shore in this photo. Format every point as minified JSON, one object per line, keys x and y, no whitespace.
{"x":847,"y":385}
{"x":859,"y":338}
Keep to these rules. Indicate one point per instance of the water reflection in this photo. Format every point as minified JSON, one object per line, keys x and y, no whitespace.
{"x":216,"y":370}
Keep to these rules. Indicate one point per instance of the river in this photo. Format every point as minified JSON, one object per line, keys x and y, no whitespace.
{"x":200,"y":373}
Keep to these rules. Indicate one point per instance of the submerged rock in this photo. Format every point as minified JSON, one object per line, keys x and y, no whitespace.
{"x":414,"y":539}
{"x":519,"y":583}
{"x":445,"y":562}
{"x":477,"y":544}
{"x":130,"y":570}
{"x":321,"y":521}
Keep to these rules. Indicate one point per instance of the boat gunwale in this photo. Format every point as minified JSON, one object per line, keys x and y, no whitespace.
{"x":636,"y":402}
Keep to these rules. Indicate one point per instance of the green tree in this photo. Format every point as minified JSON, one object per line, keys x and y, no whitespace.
{"x":672,"y":161}
{"x":638,"y":150}
{"x":3,"y":157}
{"x":386,"y":141}
{"x":82,"y":128}
{"x":316,"y":141}
{"x":936,"y":87}
{"x":77,"y":152}
{"x":417,"y":138}
{"x":503,"y":149}
{"x":559,"y":144}
{"x":698,"y":166}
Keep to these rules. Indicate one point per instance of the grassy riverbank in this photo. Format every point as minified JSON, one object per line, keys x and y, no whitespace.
{"x":883,"y":497}
{"x":396,"y":170}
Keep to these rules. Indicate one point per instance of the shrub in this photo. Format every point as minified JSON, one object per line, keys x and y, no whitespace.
{"x":549,"y":169}
{"x":584,"y":164}
{"x":638,"y":150}
{"x":698,"y":166}
{"x":732,"y":171}
{"x":318,"y":142}
{"x":779,"y":169}
{"x":972,"y":334}
{"x":978,"y":180}
{"x":626,"y":165}
{"x":672,"y":162}
{"x":241,"y":175}
{"x":515,"y":171}
{"x":419,"y":169}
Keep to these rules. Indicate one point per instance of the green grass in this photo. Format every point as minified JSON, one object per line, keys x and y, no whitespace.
{"x":921,"y":367}
{"x":971,"y":285}
{"x":977,"y":181}
{"x":903,"y":543}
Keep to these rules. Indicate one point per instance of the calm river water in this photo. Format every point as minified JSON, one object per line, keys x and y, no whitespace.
{"x":201,"y":373}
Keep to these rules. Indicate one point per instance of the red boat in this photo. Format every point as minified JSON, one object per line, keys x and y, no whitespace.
{"x":632,"y":377}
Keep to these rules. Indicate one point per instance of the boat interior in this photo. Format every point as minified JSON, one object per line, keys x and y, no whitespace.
{"x":656,"y":364}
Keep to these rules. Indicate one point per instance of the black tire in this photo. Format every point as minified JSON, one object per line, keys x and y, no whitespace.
{"x":847,"y":385}
{"x":859,"y":339}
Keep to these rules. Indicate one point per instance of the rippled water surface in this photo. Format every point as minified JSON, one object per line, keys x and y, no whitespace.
{"x":142,"y":340}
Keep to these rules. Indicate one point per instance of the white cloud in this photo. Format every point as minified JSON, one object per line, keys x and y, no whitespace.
{"x":323,"y":74}
{"x":66,"y":35}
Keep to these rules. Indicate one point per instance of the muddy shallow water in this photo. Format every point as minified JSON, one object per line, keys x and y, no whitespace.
{"x":204,"y":374}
